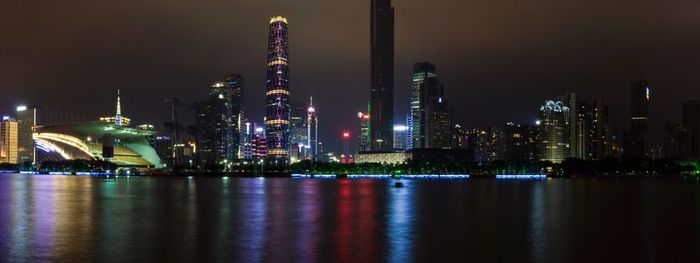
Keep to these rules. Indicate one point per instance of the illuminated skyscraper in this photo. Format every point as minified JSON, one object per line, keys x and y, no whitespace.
{"x":259,"y":143}
{"x":297,"y":124}
{"x":363,"y":135}
{"x":234,"y":84}
{"x":8,"y":141}
{"x":215,"y":128}
{"x":400,"y":137}
{"x":578,"y":119}
{"x":220,"y":121}
{"x":26,"y":119}
{"x":382,"y":75}
{"x":409,"y":131}
{"x":554,"y":146}
{"x":601,"y":130}
{"x":277,"y":111}
{"x":312,"y":134}
{"x":430,"y":124}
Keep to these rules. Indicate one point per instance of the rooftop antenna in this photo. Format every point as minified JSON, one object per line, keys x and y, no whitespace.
{"x":118,"y":117}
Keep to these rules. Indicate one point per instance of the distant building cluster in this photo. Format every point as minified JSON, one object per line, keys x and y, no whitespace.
{"x":567,"y":128}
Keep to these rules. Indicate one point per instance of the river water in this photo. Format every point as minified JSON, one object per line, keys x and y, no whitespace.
{"x":138,"y":219}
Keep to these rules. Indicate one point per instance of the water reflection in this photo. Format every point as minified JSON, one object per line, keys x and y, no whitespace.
{"x":309,"y":214}
{"x":345,"y":221}
{"x":537,"y":235}
{"x":20,"y":220}
{"x":400,"y":229}
{"x":84,"y":219}
{"x":252,"y":199}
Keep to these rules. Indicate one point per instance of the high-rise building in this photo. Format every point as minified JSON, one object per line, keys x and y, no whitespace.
{"x":601,"y":143}
{"x":185,"y":153}
{"x":26,"y":120}
{"x":520,"y":142}
{"x":578,"y":118}
{"x":400,"y":137}
{"x":430,"y":124}
{"x":259,"y":143}
{"x":220,"y":121}
{"x":277,"y":111}
{"x":554,"y":126}
{"x":636,"y":141}
{"x":382,"y":75}
{"x":9,"y":136}
{"x":691,"y":135}
{"x":297,"y":125}
{"x":673,"y":136}
{"x":477,"y":143}
{"x":235,"y":84}
{"x":247,"y":141}
{"x":214,"y":126}
{"x":459,"y":136}
{"x":164,"y":148}
{"x":312,"y":132}
{"x":363,"y":135}
{"x":409,"y":131}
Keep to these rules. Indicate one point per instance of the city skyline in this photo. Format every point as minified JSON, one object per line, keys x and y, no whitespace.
{"x":478,"y":85}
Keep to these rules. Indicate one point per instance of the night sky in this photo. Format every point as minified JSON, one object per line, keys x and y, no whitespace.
{"x":499,"y":60}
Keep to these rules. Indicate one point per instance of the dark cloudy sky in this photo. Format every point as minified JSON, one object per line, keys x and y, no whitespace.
{"x":499,"y":59}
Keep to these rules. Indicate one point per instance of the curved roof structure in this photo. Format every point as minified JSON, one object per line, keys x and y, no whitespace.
{"x":556,"y":106}
{"x":85,"y":141}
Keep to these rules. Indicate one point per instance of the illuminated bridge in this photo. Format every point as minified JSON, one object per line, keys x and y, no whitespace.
{"x":85,"y":140}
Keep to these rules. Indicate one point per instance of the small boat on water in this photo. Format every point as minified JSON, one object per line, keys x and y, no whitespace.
{"x":398,"y":184}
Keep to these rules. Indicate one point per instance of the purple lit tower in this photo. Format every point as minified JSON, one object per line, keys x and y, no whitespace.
{"x":277,"y":107}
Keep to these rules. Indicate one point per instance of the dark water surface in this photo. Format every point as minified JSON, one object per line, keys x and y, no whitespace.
{"x":137,"y":219}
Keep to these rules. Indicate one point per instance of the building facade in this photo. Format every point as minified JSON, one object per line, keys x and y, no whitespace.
{"x":235,"y":85}
{"x":363,"y":134}
{"x":9,"y":139}
{"x":520,"y":142}
{"x":673,"y":136}
{"x":277,"y":110}
{"x":218,"y":135}
{"x":312,"y":132}
{"x":636,"y":141}
{"x":430,"y":124}
{"x":690,"y":144}
{"x":297,"y":125}
{"x":26,"y":120}
{"x":400,"y":137}
{"x":554,"y":127}
{"x":382,"y":75}
{"x":601,"y":130}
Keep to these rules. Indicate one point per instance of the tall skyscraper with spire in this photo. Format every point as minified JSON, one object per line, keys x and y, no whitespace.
{"x":312,"y":135}
{"x":382,"y":75}
{"x":277,"y":111}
